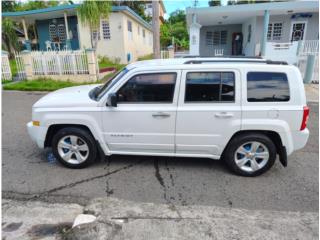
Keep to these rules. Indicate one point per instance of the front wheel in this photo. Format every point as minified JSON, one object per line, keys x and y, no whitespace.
{"x":74,"y":147}
{"x":250,"y":155}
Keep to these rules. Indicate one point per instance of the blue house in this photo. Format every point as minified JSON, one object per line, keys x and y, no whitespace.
{"x":123,"y":36}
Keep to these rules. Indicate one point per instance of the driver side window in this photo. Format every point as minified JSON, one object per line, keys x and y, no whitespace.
{"x":148,"y":88}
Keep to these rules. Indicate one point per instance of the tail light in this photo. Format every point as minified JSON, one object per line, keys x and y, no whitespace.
{"x":306,"y":111}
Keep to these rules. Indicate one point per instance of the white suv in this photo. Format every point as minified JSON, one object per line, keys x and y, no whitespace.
{"x":244,"y":111}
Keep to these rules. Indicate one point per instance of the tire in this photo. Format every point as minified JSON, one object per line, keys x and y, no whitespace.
{"x":74,"y":147}
{"x":242,"y":158}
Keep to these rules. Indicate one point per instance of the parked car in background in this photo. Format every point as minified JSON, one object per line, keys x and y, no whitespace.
{"x":243,"y":111}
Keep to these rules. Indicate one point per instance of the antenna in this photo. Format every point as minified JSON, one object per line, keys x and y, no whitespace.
{"x":195,"y":3}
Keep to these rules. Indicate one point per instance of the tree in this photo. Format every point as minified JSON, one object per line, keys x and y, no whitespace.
{"x":90,"y":13}
{"x":137,"y":6}
{"x":9,"y":35}
{"x":9,"y":6}
{"x":175,"y":28}
{"x":214,"y":3}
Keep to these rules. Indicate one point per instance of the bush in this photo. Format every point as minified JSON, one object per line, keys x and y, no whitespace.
{"x":145,"y":57}
{"x":41,"y":84}
{"x":105,"y":62}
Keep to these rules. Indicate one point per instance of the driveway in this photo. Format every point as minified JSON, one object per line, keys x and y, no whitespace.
{"x":26,"y":173}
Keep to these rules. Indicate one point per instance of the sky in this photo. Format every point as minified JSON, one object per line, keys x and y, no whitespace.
{"x":172,"y":5}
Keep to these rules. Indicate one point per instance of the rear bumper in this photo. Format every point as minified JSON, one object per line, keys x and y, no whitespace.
{"x":37,"y":134}
{"x":300,"y":139}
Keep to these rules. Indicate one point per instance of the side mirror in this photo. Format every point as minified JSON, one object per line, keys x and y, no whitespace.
{"x":112,"y":100}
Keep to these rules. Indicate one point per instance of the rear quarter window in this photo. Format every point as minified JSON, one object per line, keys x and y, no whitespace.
{"x":267,"y":87}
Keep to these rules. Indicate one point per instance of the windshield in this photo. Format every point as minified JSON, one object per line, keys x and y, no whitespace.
{"x":101,"y":90}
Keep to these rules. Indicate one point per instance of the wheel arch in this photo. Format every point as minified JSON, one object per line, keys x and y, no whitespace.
{"x":274,"y":136}
{"x":56,"y":127}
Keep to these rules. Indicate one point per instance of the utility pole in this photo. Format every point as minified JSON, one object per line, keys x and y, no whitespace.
{"x":156,"y":29}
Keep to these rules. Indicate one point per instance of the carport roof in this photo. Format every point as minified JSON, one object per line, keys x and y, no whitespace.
{"x":237,"y":14}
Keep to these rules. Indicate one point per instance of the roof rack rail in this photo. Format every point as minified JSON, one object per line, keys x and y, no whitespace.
{"x":258,"y":60}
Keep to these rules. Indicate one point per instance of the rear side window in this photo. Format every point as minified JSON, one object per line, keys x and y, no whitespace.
{"x":267,"y":87}
{"x":210,"y":87}
{"x":144,"y":88}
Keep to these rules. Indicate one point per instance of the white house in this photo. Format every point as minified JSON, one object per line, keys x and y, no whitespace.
{"x":253,"y":29}
{"x":124,"y":36}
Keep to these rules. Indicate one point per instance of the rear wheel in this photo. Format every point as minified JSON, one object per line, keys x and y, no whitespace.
{"x":74,"y":147}
{"x":250,"y":155}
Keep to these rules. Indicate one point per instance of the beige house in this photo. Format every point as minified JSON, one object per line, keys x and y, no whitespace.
{"x":124,"y":36}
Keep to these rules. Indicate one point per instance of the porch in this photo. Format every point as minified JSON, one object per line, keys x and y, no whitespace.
{"x":54,"y":28}
{"x":252,"y":29}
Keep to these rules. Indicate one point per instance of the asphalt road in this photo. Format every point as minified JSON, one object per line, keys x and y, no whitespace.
{"x":26,"y":173}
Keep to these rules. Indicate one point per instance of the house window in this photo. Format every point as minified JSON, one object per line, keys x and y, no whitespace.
{"x":61,"y":32}
{"x":138,"y":30}
{"x":298,"y":30}
{"x":249,"y":32}
{"x":52,"y":32}
{"x":95,"y":34}
{"x":274,"y":31}
{"x":209,"y":39}
{"x":216,"y":38}
{"x":130,"y":36}
{"x":105,"y":29}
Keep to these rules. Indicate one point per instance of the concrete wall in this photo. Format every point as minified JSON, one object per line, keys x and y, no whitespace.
{"x":206,"y":50}
{"x":138,"y":46}
{"x":119,"y":45}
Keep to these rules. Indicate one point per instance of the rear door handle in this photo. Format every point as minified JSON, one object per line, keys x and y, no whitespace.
{"x":223,"y":115}
{"x":161,"y":115}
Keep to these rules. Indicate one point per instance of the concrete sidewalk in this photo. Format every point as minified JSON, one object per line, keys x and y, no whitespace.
{"x":119,"y":219}
{"x":312,"y":92}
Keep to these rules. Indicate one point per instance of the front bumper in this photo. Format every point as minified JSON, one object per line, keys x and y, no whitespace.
{"x":37,"y":134}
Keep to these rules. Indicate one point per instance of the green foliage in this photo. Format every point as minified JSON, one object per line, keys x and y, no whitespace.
{"x":9,"y":6}
{"x":105,"y":62}
{"x":214,"y":3}
{"x":136,"y":6}
{"x":13,"y":67}
{"x":175,"y":28}
{"x":9,"y":35}
{"x":90,"y":13}
{"x":33,"y":5}
{"x":43,"y":84}
{"x":146,"y":57}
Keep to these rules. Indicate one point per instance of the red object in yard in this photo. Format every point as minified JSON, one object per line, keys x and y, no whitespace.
{"x":107,"y":69}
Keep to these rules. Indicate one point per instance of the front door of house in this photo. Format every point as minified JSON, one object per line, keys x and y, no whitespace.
{"x":298,"y":30}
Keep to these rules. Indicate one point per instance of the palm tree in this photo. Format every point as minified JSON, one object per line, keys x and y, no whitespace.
{"x":90,"y":13}
{"x":9,"y":35}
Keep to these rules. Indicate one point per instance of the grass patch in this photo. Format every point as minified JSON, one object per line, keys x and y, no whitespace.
{"x":41,"y":85}
{"x":105,"y":62}
{"x":146,"y":57}
{"x":5,"y":82}
{"x":13,"y":66}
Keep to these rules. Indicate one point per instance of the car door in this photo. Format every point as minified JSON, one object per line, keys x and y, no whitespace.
{"x":144,"y":120}
{"x":209,"y":111}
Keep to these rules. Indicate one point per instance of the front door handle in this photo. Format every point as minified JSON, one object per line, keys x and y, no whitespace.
{"x":161,"y":115}
{"x":223,"y":115}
